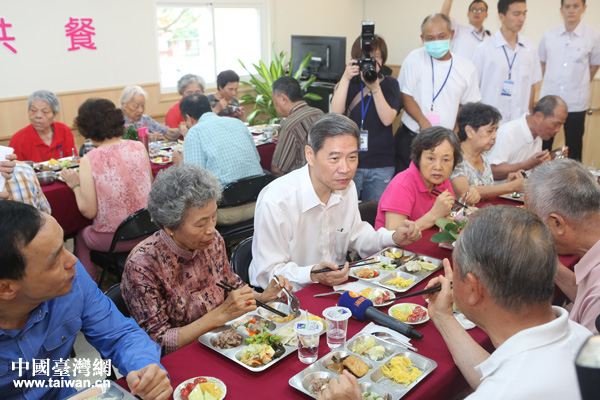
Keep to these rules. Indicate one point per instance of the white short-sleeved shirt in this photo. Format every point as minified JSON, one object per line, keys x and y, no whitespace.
{"x":466,"y":38}
{"x":415,"y":80}
{"x":568,"y":57}
{"x":535,"y":363}
{"x":294,"y":230}
{"x":514,"y":143}
{"x":492,"y":66}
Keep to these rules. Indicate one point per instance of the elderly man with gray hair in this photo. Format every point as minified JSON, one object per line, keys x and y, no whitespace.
{"x":435,"y":83}
{"x":503,"y":280}
{"x":308,"y":219}
{"x":567,"y":198}
{"x":519,"y":143}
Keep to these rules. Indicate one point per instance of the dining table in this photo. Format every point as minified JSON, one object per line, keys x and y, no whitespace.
{"x":445,"y":382}
{"x":64,"y":208}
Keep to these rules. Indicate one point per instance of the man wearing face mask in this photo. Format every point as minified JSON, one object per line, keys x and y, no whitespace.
{"x":434,"y":84}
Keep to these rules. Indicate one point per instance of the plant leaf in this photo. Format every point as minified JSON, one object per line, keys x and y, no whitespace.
{"x":442,"y":237}
{"x":441,"y":222}
{"x":312,"y":96}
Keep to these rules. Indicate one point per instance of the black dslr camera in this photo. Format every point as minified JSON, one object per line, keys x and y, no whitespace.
{"x":367,"y":64}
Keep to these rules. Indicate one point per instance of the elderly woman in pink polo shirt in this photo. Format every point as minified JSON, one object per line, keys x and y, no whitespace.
{"x":435,"y":153}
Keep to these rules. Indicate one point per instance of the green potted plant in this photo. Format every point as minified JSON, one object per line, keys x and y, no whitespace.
{"x":130,"y":133}
{"x":263,"y":102}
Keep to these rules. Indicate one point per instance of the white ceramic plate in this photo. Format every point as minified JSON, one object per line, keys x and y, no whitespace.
{"x":391,"y":310}
{"x":161,"y":162}
{"x":220,"y":384}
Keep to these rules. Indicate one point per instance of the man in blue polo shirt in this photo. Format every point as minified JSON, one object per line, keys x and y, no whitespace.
{"x":46,"y":298}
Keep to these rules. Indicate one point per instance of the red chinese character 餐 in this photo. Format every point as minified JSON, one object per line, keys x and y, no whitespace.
{"x":80,"y":30}
{"x":4,"y":38}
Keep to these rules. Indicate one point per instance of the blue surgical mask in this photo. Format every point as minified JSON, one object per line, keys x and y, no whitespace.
{"x":437,"y":48}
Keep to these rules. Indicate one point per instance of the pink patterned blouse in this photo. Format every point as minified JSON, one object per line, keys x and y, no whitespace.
{"x":122,"y":178}
{"x":166,"y":287}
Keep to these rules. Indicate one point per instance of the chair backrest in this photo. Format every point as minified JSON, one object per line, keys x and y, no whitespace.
{"x":114,"y":293}
{"x":368,"y":211}
{"x":241,"y":258}
{"x":137,"y":225}
{"x":244,"y":191}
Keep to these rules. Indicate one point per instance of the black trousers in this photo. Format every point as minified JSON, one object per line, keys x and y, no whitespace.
{"x":403,"y":141}
{"x":574,"y":129}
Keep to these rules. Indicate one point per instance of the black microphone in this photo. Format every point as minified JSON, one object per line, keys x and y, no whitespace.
{"x":362,"y":309}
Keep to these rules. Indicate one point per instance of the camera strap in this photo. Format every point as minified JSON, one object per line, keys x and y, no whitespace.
{"x":363,"y":109}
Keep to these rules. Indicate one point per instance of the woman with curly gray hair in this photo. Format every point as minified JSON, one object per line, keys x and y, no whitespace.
{"x":169,"y":283}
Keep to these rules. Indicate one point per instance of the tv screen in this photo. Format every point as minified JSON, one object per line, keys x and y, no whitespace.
{"x":328,"y":56}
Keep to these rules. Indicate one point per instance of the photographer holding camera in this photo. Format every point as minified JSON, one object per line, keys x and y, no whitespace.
{"x":372,"y":100}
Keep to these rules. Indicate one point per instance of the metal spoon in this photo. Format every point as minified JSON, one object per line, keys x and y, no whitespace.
{"x":386,"y":337}
{"x":293,"y":302}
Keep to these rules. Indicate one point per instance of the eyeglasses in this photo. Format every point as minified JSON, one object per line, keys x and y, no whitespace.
{"x":478,"y":10}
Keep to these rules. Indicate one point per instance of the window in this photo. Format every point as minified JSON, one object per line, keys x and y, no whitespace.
{"x":205,"y":39}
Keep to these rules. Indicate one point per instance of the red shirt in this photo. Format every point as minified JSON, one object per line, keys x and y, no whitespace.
{"x":174,"y":117}
{"x":29,"y":146}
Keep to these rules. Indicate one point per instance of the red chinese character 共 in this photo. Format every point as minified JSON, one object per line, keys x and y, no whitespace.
{"x":4,"y":38}
{"x":80,"y":31}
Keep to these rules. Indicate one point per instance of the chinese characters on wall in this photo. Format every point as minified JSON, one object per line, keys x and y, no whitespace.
{"x":78,"y":30}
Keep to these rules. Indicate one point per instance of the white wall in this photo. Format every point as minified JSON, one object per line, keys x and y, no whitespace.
{"x":125,"y":38}
{"x":126,"y":35}
{"x":399,"y":21}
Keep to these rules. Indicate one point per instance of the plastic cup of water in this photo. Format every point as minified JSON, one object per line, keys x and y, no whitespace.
{"x":337,"y":325}
{"x":308,"y":332}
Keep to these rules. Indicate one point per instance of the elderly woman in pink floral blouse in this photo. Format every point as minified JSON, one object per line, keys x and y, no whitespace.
{"x":170,"y":278}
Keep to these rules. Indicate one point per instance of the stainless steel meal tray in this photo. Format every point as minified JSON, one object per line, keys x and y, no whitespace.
{"x":106,"y":391}
{"x":373,"y":381}
{"x":235,"y":354}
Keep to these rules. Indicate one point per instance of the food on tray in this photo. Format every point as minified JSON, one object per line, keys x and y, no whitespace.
{"x":228,"y":339}
{"x":372,"y":396}
{"x":377,"y":296}
{"x":368,"y":347}
{"x":366,"y":273}
{"x":288,"y":336}
{"x":400,"y":370}
{"x":394,"y":255}
{"x":409,"y":313}
{"x":279,"y":319}
{"x":417,"y":265}
{"x":200,"y":389}
{"x":52,"y":161}
{"x":251,"y":326}
{"x":384,"y":266}
{"x":255,"y":355}
{"x":399,"y":282}
{"x":353,"y":364}
{"x":264,"y":337}
{"x":357,"y":366}
{"x":319,"y":385}
{"x":160,"y":160}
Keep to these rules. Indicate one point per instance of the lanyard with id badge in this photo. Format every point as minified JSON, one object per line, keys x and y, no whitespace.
{"x":508,"y":85}
{"x":434,"y":117}
{"x":364,"y":134}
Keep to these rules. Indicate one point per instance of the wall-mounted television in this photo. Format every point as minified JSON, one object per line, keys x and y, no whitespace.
{"x":328,"y":56}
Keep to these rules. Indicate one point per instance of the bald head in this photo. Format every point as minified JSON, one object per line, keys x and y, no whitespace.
{"x":435,"y":19}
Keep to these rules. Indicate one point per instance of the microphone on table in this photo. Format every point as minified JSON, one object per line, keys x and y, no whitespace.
{"x":362,"y":309}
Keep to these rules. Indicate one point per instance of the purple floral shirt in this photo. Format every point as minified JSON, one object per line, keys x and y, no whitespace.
{"x":166,"y":287}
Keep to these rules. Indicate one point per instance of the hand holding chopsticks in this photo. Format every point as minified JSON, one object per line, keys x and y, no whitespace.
{"x":437,"y":193}
{"x":227,"y":287}
{"x":359,"y":263}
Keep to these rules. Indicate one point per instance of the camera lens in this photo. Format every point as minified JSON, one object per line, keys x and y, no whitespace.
{"x":369,"y":73}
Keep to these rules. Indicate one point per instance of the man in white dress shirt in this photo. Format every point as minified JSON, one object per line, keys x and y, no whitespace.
{"x":536,"y":343}
{"x":467,"y":37}
{"x":570,"y":56}
{"x":519,"y":143}
{"x":434,"y":84}
{"x":309,"y":218}
{"x":508,"y":65}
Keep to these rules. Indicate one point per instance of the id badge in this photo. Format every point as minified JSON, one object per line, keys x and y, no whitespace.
{"x":364,"y":140}
{"x":507,"y":88}
{"x":433,"y":117}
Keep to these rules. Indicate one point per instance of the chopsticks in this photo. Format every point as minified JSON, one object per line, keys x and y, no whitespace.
{"x":432,"y":289}
{"x":359,"y":263}
{"x":436,"y":193}
{"x":227,"y":287}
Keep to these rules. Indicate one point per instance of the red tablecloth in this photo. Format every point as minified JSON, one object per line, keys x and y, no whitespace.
{"x":265,"y":151}
{"x":445,"y":382}
{"x":64,"y":207}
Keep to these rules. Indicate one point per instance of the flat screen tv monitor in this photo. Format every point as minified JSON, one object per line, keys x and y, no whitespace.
{"x":328,"y":58}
